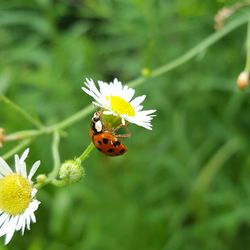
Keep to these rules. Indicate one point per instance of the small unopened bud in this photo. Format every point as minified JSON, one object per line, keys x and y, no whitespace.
{"x":146,"y":72}
{"x":2,"y":137}
{"x":221,"y":16}
{"x":41,"y":178}
{"x":243,"y":80}
{"x":71,"y":171}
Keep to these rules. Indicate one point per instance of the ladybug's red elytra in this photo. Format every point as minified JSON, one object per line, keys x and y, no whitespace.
{"x":105,"y":141}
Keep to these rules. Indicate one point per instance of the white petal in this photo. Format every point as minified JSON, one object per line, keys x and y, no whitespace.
{"x":20,"y":222}
{"x":138,"y":108}
{"x":33,"y":192}
{"x":23,"y":222}
{"x":17,"y":164}
{"x":4,"y":226}
{"x":28,"y":222}
{"x":138,"y":100}
{"x":3,"y":218}
{"x":130,"y":94}
{"x":25,"y":154}
{"x":107,"y":112}
{"x":4,"y":167}
{"x":33,"y":217}
{"x":117,"y":84}
{"x":34,"y":169}
{"x":23,"y":225}
{"x":147,"y":112}
{"x":11,"y":229}
{"x":98,"y":104}
{"x":23,"y":170}
{"x":93,"y":91}
{"x":104,"y":88}
{"x":33,"y":206}
{"x":123,"y":121}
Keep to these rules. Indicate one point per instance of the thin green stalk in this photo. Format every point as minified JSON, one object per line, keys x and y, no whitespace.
{"x":20,"y":135}
{"x":50,"y":129}
{"x":206,"y":43}
{"x":57,"y":163}
{"x":209,"y":171}
{"x":247,"y":68}
{"x":20,"y":111}
{"x":17,"y":148}
{"x":71,"y":120}
{"x":56,"y":155}
{"x":86,"y":152}
{"x":205,"y":178}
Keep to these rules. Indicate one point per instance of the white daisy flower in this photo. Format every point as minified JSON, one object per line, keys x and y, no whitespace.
{"x":116,"y":99}
{"x":17,"y":197}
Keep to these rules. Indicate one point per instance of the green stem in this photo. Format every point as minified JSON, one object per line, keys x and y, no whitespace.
{"x":206,"y":43}
{"x":213,"y":166}
{"x":86,"y":152}
{"x":57,"y":163}
{"x":17,"y":148}
{"x":71,"y":120}
{"x":20,"y":111}
{"x":56,"y":155}
{"x":20,"y":135}
{"x":50,"y":129}
{"x":247,"y":68}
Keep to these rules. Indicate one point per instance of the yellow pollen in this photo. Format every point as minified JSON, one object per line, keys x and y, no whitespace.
{"x":15,"y":194}
{"x":120,"y":106}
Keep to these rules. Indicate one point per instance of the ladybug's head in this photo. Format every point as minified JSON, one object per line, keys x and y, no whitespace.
{"x":96,"y":123}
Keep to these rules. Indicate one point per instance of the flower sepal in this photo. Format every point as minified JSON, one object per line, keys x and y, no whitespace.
{"x":112,"y":122}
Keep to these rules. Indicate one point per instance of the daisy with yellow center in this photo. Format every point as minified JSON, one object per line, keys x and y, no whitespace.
{"x":17,"y":202}
{"x":116,"y":100}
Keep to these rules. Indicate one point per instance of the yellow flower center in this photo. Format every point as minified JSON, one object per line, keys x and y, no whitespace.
{"x":15,"y":194}
{"x":120,"y":106}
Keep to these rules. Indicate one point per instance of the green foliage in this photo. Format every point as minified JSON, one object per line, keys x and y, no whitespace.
{"x":147,"y":199}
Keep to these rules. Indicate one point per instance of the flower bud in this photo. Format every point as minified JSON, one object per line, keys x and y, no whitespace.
{"x":146,"y":72}
{"x":71,"y":171}
{"x":41,"y":178}
{"x":243,"y":80}
{"x":2,"y":137}
{"x":221,"y":16}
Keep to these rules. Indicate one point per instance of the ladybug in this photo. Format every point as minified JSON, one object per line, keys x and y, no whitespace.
{"x":104,"y":140}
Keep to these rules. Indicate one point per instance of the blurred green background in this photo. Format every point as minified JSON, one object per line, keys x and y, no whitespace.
{"x":183,"y":185}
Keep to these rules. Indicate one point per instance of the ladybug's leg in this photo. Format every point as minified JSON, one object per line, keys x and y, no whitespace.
{"x":124,"y":135}
{"x":128,"y":134}
{"x":119,"y":127}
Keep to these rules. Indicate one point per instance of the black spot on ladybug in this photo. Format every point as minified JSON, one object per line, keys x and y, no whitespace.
{"x":105,"y":140}
{"x":99,"y":142}
{"x":111,"y":150}
{"x":122,"y":151}
{"x":117,"y":144}
{"x":99,"y":149}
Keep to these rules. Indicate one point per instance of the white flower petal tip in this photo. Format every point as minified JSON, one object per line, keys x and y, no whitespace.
{"x":25,"y":154}
{"x":17,"y":214}
{"x":117,"y":99}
